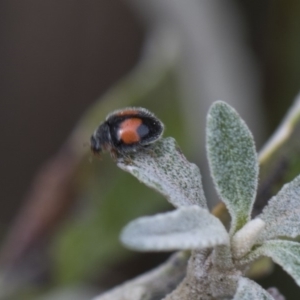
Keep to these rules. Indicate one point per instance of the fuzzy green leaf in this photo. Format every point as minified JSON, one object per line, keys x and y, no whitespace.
{"x":249,"y":290}
{"x":186,"y":228}
{"x":163,"y":167}
{"x":284,"y":253}
{"x":233,"y":161}
{"x":281,"y":215}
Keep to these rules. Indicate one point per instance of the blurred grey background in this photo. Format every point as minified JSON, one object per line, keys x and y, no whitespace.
{"x":56,"y":58}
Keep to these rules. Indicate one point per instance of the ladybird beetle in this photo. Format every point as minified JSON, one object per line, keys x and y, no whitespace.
{"x":126,"y":130}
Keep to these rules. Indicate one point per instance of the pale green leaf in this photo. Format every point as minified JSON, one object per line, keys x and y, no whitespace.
{"x":282,"y":214}
{"x":249,"y":290}
{"x":284,"y":253}
{"x":246,"y":237}
{"x":186,"y":228}
{"x":163,"y":167}
{"x":233,"y":161}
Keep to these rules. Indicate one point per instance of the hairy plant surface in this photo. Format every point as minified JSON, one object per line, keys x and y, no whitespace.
{"x":219,"y":259}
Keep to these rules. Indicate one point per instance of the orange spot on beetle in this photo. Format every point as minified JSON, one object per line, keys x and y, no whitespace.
{"x":127,"y":112}
{"x":128,"y":130}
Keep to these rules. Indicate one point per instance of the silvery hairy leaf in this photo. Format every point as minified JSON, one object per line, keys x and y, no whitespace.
{"x":185,"y":228}
{"x":249,"y":290}
{"x":246,"y":237}
{"x":233,"y":161}
{"x":282,"y":214}
{"x":163,"y":167}
{"x":284,"y":253}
